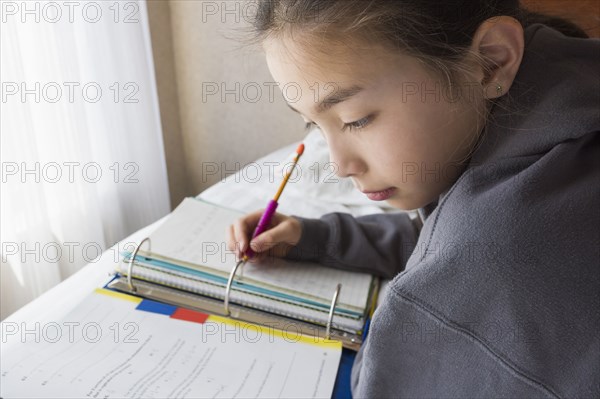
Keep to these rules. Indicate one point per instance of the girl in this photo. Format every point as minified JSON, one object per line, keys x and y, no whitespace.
{"x":485,"y":121}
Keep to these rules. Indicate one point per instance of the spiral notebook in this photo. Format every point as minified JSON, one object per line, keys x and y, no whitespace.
{"x":186,"y":262}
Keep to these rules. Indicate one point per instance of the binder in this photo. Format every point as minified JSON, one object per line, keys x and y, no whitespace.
{"x":155,"y":276}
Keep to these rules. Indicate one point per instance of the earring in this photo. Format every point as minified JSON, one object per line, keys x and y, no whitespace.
{"x":498,"y":89}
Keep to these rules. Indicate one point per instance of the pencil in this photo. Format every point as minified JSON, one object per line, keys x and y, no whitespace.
{"x":266,"y":217}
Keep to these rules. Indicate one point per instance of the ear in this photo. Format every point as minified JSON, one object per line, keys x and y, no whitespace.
{"x":499,"y":41}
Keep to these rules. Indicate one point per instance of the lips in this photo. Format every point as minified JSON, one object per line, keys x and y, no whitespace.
{"x":380,"y":195}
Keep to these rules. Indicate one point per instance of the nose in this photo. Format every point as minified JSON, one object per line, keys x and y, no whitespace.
{"x":345,"y":158}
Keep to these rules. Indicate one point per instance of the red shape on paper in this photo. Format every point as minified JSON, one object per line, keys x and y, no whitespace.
{"x":189,"y":315}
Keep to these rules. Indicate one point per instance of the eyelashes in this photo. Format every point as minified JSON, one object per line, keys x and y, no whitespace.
{"x":356,"y":125}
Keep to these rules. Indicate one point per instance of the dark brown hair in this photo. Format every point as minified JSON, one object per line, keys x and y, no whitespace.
{"x":437,"y":32}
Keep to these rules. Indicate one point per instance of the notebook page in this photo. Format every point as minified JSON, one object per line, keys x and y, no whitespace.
{"x":130,"y":353}
{"x":195,"y":234}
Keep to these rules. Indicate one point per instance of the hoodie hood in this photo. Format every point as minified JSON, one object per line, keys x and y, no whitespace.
{"x":556,"y":73}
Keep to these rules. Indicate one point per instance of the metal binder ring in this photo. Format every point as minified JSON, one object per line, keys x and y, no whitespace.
{"x":331,"y":309}
{"x":130,"y":263}
{"x":228,"y":288}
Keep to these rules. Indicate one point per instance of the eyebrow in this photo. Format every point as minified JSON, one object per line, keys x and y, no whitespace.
{"x":338,"y":96}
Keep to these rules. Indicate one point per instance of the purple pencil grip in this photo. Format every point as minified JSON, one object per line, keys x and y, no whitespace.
{"x":263,"y":223}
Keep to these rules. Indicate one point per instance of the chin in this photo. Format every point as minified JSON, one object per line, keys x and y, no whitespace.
{"x":403,"y":204}
{"x":407,"y":203}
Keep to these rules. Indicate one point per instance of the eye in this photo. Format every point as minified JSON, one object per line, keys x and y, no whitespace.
{"x":359,"y":124}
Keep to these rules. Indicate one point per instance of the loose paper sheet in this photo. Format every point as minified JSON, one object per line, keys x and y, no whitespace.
{"x":105,"y":348}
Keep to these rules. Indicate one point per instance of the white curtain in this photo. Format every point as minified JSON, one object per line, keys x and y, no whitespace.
{"x":82,"y":154}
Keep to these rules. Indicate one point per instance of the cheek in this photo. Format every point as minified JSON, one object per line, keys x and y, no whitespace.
{"x":385,"y":147}
{"x":438,"y":131}
{"x":409,"y":152}
{"x":403,"y":137}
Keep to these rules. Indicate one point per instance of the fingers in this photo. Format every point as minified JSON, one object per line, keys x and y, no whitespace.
{"x":283,"y":234}
{"x":266,"y":240}
{"x":240,"y":232}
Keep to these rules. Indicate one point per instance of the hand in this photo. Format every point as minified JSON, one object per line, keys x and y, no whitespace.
{"x":282,"y":235}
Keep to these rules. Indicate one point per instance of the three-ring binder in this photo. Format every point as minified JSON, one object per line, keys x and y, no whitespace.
{"x":331,"y":311}
{"x":166,"y":294}
{"x":130,"y":263}
{"x":331,"y":308}
{"x":228,"y":288}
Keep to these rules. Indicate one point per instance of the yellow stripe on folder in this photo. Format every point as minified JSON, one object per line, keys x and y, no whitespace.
{"x":119,"y":295}
{"x":292,"y":336}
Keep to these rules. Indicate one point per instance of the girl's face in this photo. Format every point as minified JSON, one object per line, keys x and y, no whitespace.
{"x":389,"y":123}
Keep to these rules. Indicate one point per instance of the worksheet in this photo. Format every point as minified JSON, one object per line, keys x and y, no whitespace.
{"x":119,"y":346}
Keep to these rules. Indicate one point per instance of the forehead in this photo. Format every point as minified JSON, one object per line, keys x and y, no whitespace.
{"x":337,"y":63}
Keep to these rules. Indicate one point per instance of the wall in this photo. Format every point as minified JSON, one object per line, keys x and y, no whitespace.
{"x":194,"y":56}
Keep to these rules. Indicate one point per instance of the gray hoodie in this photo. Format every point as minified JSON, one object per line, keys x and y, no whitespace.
{"x":498,"y":295}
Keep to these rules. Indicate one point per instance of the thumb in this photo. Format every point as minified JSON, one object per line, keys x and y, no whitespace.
{"x":269,"y":239}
